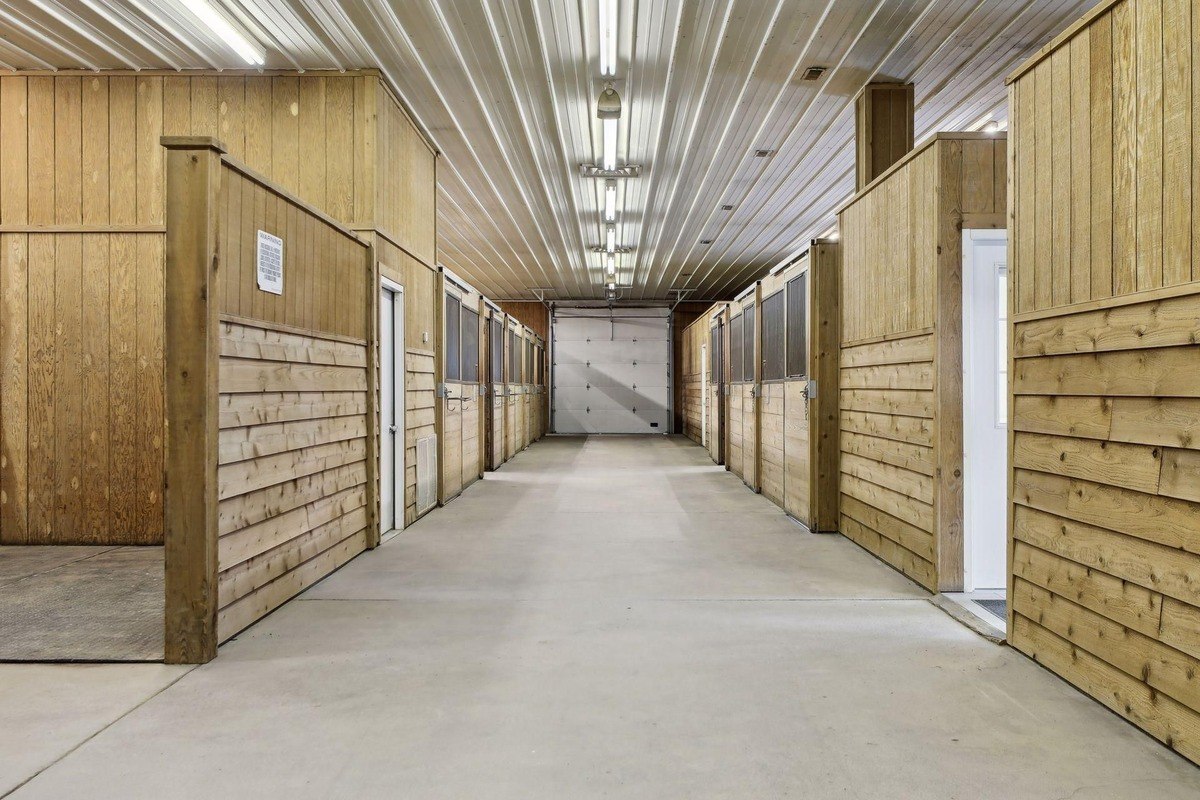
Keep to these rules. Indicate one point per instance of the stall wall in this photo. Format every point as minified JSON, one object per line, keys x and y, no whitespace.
{"x":689,"y":382}
{"x":82,"y":186}
{"x":901,"y":353}
{"x":1105,"y":517}
{"x":293,"y":405}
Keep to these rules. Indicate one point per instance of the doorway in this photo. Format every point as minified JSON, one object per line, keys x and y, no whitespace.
{"x":391,"y":408}
{"x":985,"y":416}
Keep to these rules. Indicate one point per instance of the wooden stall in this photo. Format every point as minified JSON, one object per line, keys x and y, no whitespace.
{"x":270,"y":396}
{"x":459,"y":411}
{"x":82,"y":208}
{"x":798,"y":400}
{"x":717,"y":422}
{"x":512,"y":388}
{"x":691,"y":381}
{"x":901,"y":351}
{"x":1105,"y":293}
{"x":742,"y":458}
{"x":495,"y":400}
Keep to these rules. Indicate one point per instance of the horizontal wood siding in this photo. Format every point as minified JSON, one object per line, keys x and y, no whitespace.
{"x":1105,"y":512}
{"x":901,"y":355}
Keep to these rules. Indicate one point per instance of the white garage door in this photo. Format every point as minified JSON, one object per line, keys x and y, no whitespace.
{"x":612,"y":370}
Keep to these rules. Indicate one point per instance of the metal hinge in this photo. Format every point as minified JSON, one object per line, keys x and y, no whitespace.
{"x":441,"y":390}
{"x":810,"y":390}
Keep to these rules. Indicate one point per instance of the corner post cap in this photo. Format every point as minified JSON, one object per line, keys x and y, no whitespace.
{"x":193,"y":143}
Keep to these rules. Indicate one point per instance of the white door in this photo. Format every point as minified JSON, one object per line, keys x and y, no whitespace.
{"x":391,"y":407}
{"x":612,"y":370}
{"x":985,"y":408}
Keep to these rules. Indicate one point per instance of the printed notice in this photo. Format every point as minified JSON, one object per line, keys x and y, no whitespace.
{"x":270,"y":263}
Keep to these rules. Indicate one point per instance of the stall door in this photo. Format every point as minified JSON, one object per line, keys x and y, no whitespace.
{"x":716,"y":391}
{"x":391,"y":408}
{"x":749,"y":402}
{"x":451,"y":400}
{"x":469,"y":405}
{"x":495,"y":395}
{"x":612,"y":370}
{"x":798,"y":442}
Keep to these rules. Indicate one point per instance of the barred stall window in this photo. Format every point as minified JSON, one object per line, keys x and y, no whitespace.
{"x":797,"y":326}
{"x":496,"y":344}
{"x":470,"y":345}
{"x":453,"y":336}
{"x":514,"y":357}
{"x":773,"y":337}
{"x":735,"y":350}
{"x":715,"y":354}
{"x":749,"y":351}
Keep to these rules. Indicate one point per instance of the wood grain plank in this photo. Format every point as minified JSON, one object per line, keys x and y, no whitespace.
{"x":1135,"y":466}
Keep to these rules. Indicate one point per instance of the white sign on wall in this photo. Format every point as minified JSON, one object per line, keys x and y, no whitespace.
{"x":270,"y":263}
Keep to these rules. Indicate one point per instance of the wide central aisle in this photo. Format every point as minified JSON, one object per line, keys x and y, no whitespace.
{"x":616,"y":617}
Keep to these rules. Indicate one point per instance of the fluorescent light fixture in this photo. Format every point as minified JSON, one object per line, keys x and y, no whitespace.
{"x":610,"y":144}
{"x":610,"y":240}
{"x":608,"y":37}
{"x":610,"y":201}
{"x":215,"y":21}
{"x":610,"y":267}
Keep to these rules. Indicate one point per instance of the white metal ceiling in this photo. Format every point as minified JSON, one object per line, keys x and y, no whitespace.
{"x":507,"y":89}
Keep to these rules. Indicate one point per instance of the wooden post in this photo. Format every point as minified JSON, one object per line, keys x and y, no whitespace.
{"x":757,"y":345}
{"x":883,"y":121}
{"x":373,"y":428}
{"x":825,"y":265}
{"x":947,"y":373}
{"x":192,"y":351}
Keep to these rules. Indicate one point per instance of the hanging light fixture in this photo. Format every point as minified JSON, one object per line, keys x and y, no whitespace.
{"x":610,"y":239}
{"x":610,"y":268}
{"x":608,"y":110}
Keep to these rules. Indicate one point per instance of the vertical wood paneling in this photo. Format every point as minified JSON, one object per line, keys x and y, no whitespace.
{"x":1125,"y":138}
{"x":1080,"y":127}
{"x":1100,"y":94}
{"x":1177,"y":142}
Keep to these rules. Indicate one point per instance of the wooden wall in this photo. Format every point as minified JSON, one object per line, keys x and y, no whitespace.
{"x":533,"y":315}
{"x":294,"y":411}
{"x":82,"y":196}
{"x":683,"y":315}
{"x":901,"y":359}
{"x":1104,"y":547}
{"x":689,"y":378}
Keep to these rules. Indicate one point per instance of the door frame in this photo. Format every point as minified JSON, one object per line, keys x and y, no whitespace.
{"x":399,"y":401}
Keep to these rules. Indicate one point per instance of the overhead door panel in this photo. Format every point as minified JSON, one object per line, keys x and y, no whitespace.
{"x":612,"y":370}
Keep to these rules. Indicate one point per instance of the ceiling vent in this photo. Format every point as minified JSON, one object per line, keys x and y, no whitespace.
{"x":812,"y":73}
{"x":763,"y":153}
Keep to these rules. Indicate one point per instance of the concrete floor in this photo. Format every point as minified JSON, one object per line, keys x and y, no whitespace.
{"x":610,"y":617}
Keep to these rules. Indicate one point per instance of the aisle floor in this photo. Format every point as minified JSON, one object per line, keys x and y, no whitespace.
{"x":603,"y":617}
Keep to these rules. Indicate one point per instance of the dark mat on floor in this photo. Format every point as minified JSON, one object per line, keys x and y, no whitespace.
{"x":997,"y":607}
{"x":76,"y":606}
